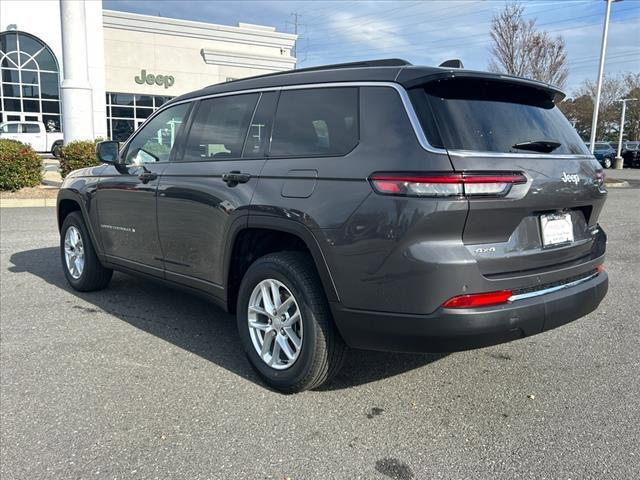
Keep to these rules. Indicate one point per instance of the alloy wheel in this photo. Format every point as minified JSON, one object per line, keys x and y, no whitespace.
{"x":74,"y":252}
{"x":275,"y":324}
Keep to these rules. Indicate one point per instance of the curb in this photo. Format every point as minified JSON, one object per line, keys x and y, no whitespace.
{"x":27,"y":202}
{"x":617,"y":184}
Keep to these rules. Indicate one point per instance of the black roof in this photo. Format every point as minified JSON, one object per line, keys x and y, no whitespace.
{"x":386,"y":70}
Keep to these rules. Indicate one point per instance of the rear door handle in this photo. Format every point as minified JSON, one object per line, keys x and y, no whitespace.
{"x":147,"y":176}
{"x":233,"y":178}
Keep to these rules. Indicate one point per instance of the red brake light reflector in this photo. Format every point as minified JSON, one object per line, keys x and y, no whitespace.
{"x":478,"y":299}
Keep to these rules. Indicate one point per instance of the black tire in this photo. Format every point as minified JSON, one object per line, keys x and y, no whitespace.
{"x":323,"y":350}
{"x":607,"y":162}
{"x":93,"y":276}
{"x":55,"y":150}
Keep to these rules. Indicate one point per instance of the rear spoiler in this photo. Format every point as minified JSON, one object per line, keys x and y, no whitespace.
{"x":414,"y":77}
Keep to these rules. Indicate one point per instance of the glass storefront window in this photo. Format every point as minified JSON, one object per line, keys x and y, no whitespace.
{"x":121,"y":99}
{"x":144,"y":101}
{"x":10,"y":75}
{"x":11,"y":89}
{"x":29,"y":76}
{"x":126,"y":112}
{"x":122,"y":112}
{"x":30,"y":80}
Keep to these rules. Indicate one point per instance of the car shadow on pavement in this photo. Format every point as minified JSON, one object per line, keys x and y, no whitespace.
{"x":195,"y":324}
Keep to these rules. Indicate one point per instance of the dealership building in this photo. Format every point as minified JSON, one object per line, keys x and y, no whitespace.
{"x":99,"y":73}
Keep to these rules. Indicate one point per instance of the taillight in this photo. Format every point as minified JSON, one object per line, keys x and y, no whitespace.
{"x":467,"y":184}
{"x":478,"y":299}
{"x":600,"y":176}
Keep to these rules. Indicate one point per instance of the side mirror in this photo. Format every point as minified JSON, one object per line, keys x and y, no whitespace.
{"x":108,"y":152}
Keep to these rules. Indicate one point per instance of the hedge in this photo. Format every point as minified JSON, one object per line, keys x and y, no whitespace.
{"x":78,"y":154}
{"x":20,"y":166}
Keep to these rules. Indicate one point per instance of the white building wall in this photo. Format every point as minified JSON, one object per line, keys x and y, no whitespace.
{"x":195,"y":54}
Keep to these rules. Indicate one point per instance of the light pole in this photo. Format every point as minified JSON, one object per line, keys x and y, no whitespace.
{"x":619,"y":162}
{"x":603,"y":52}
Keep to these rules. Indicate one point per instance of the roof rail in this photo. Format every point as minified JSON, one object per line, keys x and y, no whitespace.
{"x":385,"y":62}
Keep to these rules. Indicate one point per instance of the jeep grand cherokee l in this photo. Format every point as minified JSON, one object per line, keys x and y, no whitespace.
{"x":377,"y":205}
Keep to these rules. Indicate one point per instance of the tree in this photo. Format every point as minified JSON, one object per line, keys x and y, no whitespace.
{"x":579,"y":109}
{"x":520,"y":49}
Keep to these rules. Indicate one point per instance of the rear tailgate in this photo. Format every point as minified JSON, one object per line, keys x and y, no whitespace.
{"x":505,"y":234}
{"x":499,"y":125}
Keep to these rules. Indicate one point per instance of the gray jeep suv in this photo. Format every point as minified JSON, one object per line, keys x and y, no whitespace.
{"x":376,"y":205}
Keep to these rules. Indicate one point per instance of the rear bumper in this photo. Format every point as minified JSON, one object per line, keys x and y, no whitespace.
{"x":448,"y":330}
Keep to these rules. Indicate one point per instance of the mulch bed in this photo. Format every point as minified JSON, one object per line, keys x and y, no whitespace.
{"x":32,"y":192}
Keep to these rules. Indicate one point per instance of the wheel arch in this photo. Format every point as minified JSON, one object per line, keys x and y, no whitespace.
{"x":275,"y":235}
{"x":70,"y":201}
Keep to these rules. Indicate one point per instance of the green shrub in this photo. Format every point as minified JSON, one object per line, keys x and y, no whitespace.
{"x":20,"y":166}
{"x":78,"y":154}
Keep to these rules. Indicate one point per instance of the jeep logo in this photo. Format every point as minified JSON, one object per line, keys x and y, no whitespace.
{"x":150,"y":79}
{"x":570,"y":178}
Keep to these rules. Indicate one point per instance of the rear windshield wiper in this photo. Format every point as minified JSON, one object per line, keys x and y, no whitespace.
{"x":544,"y":146}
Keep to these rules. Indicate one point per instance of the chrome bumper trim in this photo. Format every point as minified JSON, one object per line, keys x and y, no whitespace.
{"x":537,"y":293}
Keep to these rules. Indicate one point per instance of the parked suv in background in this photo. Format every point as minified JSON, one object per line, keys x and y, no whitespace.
{"x":377,"y":205}
{"x":605,"y":154}
{"x":631,"y":154}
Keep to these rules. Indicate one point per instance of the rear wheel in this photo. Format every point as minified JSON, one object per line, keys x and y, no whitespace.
{"x":55,"y":150}
{"x":80,"y":263}
{"x":606,"y":162}
{"x":285,"y":323}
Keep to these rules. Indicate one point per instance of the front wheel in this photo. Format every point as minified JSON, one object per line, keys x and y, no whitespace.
{"x":80,"y":263}
{"x":606,"y":162}
{"x":285,"y":323}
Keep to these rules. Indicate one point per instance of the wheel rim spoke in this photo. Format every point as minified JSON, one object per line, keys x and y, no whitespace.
{"x":284,"y":306}
{"x":259,"y":311}
{"x":275,"y":295}
{"x":293,"y":336}
{"x":260,"y":326}
{"x":268,"y":340}
{"x":275,"y":324}
{"x":284,"y":346}
{"x":275,"y":356}
{"x":266,"y":298}
{"x":292,"y":319}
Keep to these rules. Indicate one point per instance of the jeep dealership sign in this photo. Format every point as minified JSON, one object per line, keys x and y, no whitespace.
{"x":150,"y":79}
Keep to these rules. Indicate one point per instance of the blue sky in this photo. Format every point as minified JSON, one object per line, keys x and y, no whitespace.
{"x":423,"y":32}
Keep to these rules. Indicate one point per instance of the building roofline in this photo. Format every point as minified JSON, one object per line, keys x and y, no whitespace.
{"x":254,"y":34}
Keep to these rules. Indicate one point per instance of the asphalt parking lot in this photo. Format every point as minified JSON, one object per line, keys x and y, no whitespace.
{"x":141,"y":381}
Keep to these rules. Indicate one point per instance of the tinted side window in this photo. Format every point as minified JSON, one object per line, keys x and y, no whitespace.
{"x":154,"y":141}
{"x":30,"y":128}
{"x":322,"y":121}
{"x":257,"y":143}
{"x":219,"y":128}
{"x":10,"y":128}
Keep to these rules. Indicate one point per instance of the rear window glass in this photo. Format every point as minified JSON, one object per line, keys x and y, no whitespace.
{"x":316,"y":122}
{"x":486,"y":116}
